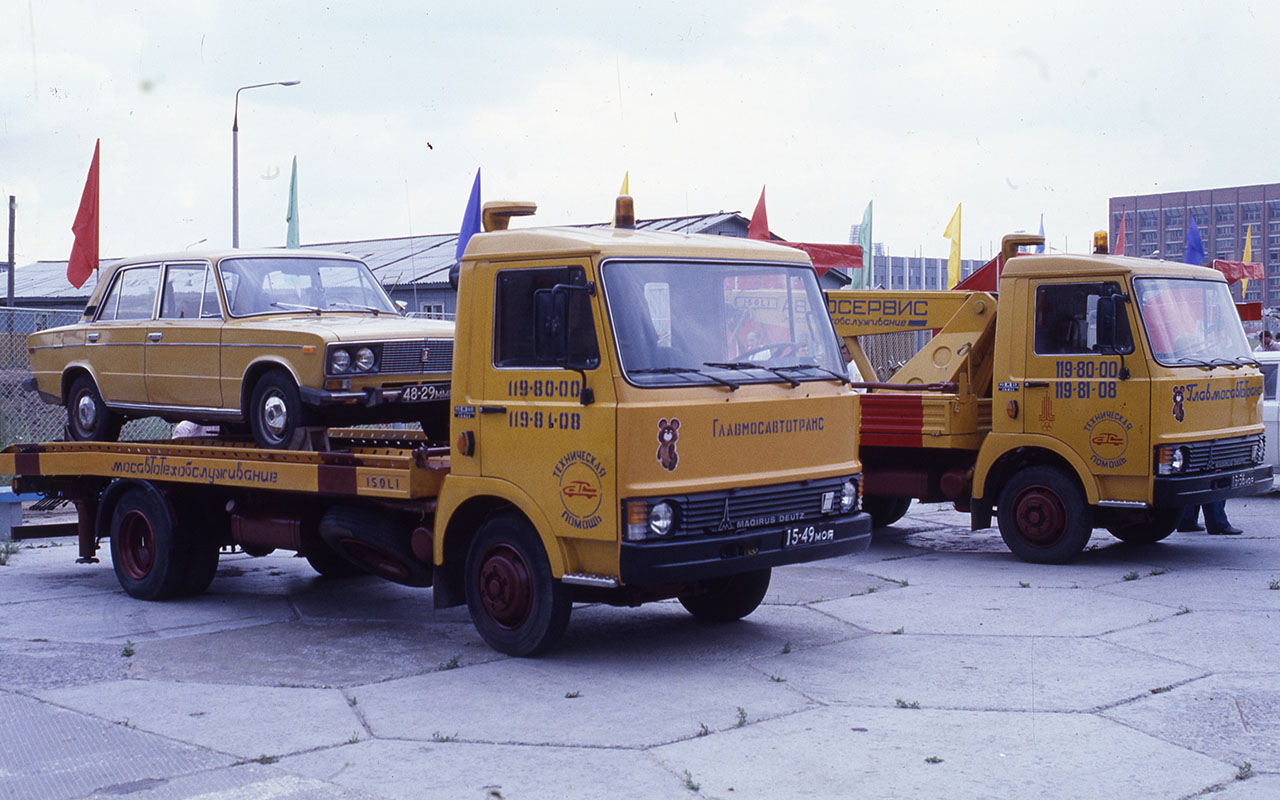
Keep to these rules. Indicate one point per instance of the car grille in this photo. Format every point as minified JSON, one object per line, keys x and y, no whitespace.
{"x":406,"y":356}
{"x":1218,"y":454}
{"x":756,"y":506}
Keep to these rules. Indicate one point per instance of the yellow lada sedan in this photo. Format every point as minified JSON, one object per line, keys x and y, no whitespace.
{"x":278,"y":341}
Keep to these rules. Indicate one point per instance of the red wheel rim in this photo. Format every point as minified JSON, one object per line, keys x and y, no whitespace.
{"x":1041,"y":516}
{"x":506,"y":587}
{"x":137,"y":546}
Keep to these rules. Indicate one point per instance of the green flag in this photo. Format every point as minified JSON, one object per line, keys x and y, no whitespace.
{"x":291,"y":240}
{"x":863,"y":281}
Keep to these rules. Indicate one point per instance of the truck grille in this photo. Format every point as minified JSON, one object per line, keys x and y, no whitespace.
{"x":756,"y":506}
{"x":1219,"y":454}
{"x":406,"y":356}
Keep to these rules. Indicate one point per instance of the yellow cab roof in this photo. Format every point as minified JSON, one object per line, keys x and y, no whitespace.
{"x":607,"y":242}
{"x":1069,"y":265}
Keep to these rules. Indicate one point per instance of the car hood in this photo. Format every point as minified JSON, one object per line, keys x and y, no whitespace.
{"x":355,"y":327}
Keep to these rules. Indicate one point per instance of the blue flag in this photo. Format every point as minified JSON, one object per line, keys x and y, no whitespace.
{"x":1040,"y":247}
{"x":1195,"y":247}
{"x":470,"y":220}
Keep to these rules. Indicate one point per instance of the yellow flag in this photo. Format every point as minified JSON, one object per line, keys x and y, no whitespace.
{"x":626,"y":176}
{"x":953,"y":261}
{"x":1248,"y":256}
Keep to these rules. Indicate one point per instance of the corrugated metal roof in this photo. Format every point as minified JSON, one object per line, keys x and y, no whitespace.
{"x":401,"y":261}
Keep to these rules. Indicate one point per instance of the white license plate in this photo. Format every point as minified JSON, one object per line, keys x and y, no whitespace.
{"x":424,"y":392}
{"x":1243,"y":479}
{"x":810,"y":534}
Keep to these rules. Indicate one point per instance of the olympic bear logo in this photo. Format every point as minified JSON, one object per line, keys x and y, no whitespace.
{"x":668,"y":433}
{"x":1177,"y":403}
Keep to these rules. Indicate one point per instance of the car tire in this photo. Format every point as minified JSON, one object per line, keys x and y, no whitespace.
{"x":275,"y":412}
{"x":149,"y":559}
{"x":1044,"y":515}
{"x":726,"y":599}
{"x":88,"y":418}
{"x":516,"y":604}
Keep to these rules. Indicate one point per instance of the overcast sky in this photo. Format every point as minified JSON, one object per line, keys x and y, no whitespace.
{"x":1014,"y":109}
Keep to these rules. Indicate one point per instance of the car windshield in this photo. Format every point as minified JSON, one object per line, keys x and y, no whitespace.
{"x":289,"y":284}
{"x":679,"y":322}
{"x":1191,"y":322}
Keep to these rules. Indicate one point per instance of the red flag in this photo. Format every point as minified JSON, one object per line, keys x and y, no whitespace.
{"x":84,"y":251}
{"x":759,"y":227}
{"x":1119,"y":248}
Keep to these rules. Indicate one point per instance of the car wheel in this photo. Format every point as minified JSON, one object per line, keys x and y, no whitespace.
{"x":88,"y":418}
{"x":275,"y":412}
{"x":726,"y":599}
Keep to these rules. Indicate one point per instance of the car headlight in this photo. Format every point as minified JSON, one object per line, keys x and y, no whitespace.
{"x":364,"y":360}
{"x":1178,"y":459}
{"x":339,"y":361}
{"x":661,"y":516}
{"x":848,"y":497}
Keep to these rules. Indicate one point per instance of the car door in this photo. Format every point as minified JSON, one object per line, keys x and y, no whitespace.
{"x":184,"y":342}
{"x":115,"y":340}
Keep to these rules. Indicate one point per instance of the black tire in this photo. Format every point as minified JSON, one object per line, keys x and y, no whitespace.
{"x":149,"y":559}
{"x":885,"y":510}
{"x":1147,"y":527}
{"x":202,"y":565}
{"x":88,"y":418}
{"x":435,"y":421}
{"x":372,"y":542}
{"x":329,"y":563}
{"x":516,"y":604}
{"x":726,"y":599}
{"x":275,"y":412}
{"x":1044,"y":515}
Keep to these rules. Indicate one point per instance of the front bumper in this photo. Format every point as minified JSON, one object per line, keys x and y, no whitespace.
{"x":682,"y":560}
{"x":372,"y":396}
{"x":1174,"y":492}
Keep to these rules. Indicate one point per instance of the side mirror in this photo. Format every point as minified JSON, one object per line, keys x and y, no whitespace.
{"x":551,"y":333}
{"x":401,"y":305}
{"x":453,"y":276}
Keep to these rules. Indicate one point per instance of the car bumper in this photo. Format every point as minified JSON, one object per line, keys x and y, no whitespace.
{"x":656,"y":562}
{"x":1173,"y":492}
{"x":372,"y":396}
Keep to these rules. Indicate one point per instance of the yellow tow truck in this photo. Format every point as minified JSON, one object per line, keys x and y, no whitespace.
{"x":615,"y":437}
{"x":1090,"y":391}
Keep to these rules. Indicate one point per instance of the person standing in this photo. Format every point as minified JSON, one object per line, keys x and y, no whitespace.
{"x":1215,"y":519}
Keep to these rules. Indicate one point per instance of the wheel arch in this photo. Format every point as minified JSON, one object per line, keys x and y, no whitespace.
{"x":995,"y":464}
{"x":254,"y":372}
{"x":73,"y":371}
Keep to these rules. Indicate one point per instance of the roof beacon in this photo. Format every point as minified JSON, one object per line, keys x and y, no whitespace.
{"x":624,"y":212}
{"x":1100,"y":243}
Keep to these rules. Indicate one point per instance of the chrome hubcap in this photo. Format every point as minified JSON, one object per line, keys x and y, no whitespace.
{"x":86,"y":411}
{"x":275,"y":414}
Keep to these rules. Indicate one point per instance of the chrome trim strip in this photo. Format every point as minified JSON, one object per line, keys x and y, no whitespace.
{"x":207,"y":411}
{"x":1123,"y":504}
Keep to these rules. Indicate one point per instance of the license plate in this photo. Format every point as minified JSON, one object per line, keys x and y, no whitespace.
{"x":810,"y":534}
{"x":424,"y":392}
{"x":1241,"y":479}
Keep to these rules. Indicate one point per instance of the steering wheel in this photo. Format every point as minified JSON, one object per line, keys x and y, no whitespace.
{"x":784,"y":347}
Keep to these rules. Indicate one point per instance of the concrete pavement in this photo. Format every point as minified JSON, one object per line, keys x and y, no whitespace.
{"x":936,"y":664}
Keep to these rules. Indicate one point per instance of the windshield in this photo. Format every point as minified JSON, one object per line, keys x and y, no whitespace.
{"x":280,"y":285}
{"x":697,"y":322}
{"x":1190,"y":322}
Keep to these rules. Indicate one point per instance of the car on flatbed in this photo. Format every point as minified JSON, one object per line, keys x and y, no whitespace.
{"x":275,"y":341}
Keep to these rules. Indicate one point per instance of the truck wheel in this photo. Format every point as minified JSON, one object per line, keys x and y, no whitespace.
{"x":328,"y":562}
{"x":435,"y":421}
{"x":1147,"y":527}
{"x":275,"y":412}
{"x":148,"y":560}
{"x":885,"y":510}
{"x":1044,"y":516}
{"x":202,"y":565}
{"x":515,"y":603}
{"x":726,"y":599}
{"x":88,"y":418}
{"x":373,"y":543}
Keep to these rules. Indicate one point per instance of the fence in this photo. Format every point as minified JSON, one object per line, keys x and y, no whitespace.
{"x":891,"y":350}
{"x":23,"y":416}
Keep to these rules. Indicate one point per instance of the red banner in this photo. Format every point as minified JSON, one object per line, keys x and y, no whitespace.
{"x":84,"y":251}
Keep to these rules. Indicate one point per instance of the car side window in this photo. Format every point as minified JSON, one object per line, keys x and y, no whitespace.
{"x":1269,"y":380}
{"x":183,"y":290}
{"x":1067,"y":319}
{"x":209,"y":307}
{"x":133,"y":296}
{"x":513,"y":334}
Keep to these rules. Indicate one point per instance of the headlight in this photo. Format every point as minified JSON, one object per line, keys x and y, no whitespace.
{"x":339,"y":361}
{"x":848,"y":497}
{"x":364,"y":360}
{"x":1178,"y":459}
{"x":660,"y":518}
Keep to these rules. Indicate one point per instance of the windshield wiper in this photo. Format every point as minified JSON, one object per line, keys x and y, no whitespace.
{"x":341,"y":304}
{"x":1242,"y":360}
{"x":296,"y":307}
{"x":682,"y":371}
{"x":751,"y":365}
{"x":1230,"y":362}
{"x":832,"y":373}
{"x":1195,"y":362}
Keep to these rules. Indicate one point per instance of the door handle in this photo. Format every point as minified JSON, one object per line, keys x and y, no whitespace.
{"x":1036,"y":384}
{"x":155,"y":336}
{"x":492,"y":409}
{"x":93,"y":337}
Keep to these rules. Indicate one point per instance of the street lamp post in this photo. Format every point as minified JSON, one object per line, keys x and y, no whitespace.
{"x":235,"y":158}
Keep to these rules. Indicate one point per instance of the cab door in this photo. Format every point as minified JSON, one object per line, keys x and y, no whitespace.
{"x":1085,"y":385}
{"x":535,"y":430}
{"x":183,"y":344}
{"x":114,"y":342}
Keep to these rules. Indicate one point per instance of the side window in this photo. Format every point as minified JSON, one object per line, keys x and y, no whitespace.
{"x":1066,"y":319}
{"x":1269,"y":380}
{"x":209,"y":308}
{"x":134,"y":294}
{"x":513,"y":334}
{"x":183,"y":288}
